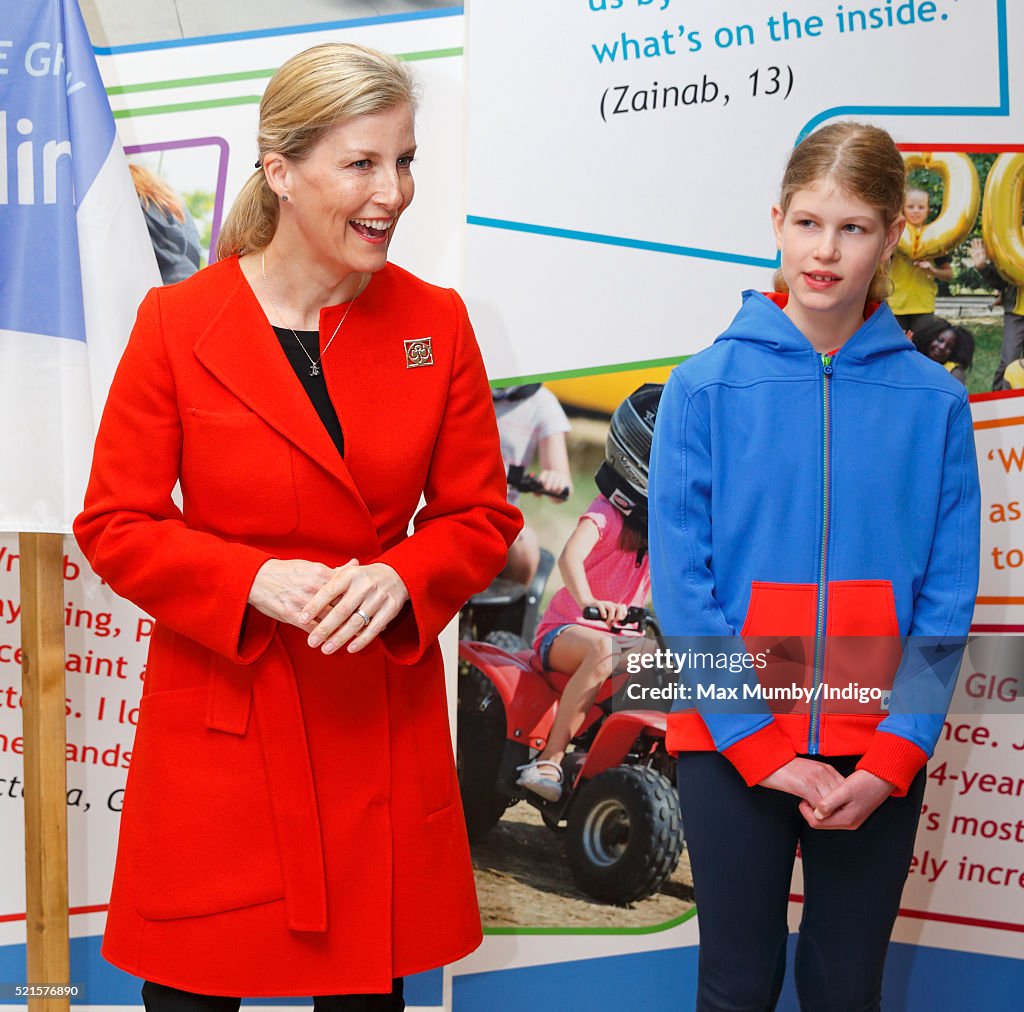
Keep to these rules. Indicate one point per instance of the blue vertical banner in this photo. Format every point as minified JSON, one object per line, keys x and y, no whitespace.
{"x":76,"y":259}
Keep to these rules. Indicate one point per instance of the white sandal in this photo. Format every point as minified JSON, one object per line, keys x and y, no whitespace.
{"x":531,"y":777}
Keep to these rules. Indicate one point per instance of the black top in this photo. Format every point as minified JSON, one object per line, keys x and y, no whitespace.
{"x":315,"y":386}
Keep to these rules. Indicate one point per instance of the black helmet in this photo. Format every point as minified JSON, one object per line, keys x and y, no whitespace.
{"x":520,"y":393}
{"x":622,"y":478}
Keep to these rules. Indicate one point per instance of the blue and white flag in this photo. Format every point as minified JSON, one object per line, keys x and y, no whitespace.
{"x":75,"y":261}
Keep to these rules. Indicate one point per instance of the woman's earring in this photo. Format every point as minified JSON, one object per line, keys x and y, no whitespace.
{"x":284,"y":196}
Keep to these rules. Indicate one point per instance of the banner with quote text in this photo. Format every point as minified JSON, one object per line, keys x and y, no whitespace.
{"x":623,"y":158}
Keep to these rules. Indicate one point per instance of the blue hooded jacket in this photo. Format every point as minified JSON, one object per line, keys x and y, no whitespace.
{"x":822,"y":515}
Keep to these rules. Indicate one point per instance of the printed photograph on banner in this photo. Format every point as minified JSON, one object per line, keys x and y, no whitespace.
{"x":180,"y":185}
{"x":958,"y":274}
{"x":570,"y":800}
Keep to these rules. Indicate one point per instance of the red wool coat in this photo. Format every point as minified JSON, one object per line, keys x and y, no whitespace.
{"x":291,"y":822}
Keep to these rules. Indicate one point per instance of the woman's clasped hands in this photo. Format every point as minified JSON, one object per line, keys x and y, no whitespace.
{"x":351,"y":604}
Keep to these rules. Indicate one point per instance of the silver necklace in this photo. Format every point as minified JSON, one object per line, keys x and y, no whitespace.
{"x":314,"y":364}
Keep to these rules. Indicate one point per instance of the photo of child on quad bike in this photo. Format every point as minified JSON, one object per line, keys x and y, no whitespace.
{"x":541,"y":718}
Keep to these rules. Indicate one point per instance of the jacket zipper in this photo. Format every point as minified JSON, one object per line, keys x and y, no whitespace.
{"x":826,"y":506}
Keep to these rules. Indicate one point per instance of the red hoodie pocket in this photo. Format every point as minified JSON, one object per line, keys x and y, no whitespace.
{"x":781,"y":610}
{"x":779,"y":633}
{"x":861,"y":608}
{"x":863,"y":645}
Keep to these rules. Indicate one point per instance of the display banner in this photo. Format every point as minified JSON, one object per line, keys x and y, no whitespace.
{"x":623,"y":159}
{"x":619,"y":191}
{"x":77,"y":261}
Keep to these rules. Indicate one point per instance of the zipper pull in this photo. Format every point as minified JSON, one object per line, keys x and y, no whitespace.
{"x":826,"y":364}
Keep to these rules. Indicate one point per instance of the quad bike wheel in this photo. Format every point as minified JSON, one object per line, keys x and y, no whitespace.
{"x":625,"y":834}
{"x":507,"y":641}
{"x":480,"y":744}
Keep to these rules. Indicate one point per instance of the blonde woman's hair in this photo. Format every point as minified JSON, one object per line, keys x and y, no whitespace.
{"x":153,"y":190}
{"x":310,"y":93}
{"x":859,"y":159}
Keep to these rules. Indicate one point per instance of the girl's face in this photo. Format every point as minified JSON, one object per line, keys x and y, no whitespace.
{"x":831,"y":244}
{"x":942,"y":345}
{"x":915,"y":208}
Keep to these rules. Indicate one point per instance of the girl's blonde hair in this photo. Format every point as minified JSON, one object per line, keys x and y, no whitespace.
{"x":859,"y":159}
{"x":310,"y":93}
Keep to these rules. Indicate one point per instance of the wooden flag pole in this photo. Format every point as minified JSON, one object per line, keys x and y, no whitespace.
{"x":46,"y":817}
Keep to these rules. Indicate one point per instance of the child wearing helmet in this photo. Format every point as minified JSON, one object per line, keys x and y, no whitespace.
{"x":604,"y":565}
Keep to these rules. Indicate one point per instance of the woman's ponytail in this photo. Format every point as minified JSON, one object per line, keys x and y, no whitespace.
{"x":252,"y":220}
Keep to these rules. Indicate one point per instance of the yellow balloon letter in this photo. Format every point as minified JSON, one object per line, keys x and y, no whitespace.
{"x":961,"y":197}
{"x":1002,"y":217}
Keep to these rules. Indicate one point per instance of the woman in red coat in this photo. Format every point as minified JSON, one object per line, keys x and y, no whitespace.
{"x":292,"y":822}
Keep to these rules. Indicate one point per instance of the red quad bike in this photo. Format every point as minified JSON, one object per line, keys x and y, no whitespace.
{"x":619,"y":807}
{"x":505,"y":614}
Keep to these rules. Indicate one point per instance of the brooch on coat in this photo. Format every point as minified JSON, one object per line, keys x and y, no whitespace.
{"x":418,"y":352}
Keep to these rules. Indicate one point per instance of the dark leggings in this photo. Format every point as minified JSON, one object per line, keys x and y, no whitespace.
{"x":159,"y":998}
{"x":742,"y":844}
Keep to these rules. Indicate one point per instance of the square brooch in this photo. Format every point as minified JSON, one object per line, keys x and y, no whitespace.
{"x":418,"y":352}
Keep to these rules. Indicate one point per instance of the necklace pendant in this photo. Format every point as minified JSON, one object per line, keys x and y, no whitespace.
{"x":314,"y":370}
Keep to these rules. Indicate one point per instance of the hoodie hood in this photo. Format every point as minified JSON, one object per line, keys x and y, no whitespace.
{"x":762,"y":321}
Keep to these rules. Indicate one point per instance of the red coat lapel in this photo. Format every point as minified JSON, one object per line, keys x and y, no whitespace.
{"x":236,"y":348}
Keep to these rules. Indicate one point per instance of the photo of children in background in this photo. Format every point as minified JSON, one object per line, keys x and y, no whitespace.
{"x":531,"y":427}
{"x":962,"y":286}
{"x":914,"y":281}
{"x":950,"y":346}
{"x":605,"y":566}
{"x":573,"y":823}
{"x":1011,"y":298}
{"x":172,"y":229}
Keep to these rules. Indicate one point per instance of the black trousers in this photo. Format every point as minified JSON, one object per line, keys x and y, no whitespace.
{"x":159,"y":998}
{"x":742,"y":844}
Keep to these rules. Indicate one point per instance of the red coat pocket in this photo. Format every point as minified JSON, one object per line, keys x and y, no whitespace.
{"x":196,"y":824}
{"x":236,"y":474}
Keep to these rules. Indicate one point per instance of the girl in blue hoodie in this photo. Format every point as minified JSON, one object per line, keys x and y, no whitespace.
{"x":786,"y":460}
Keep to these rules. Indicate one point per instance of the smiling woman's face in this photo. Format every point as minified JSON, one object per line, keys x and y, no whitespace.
{"x":346,"y":196}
